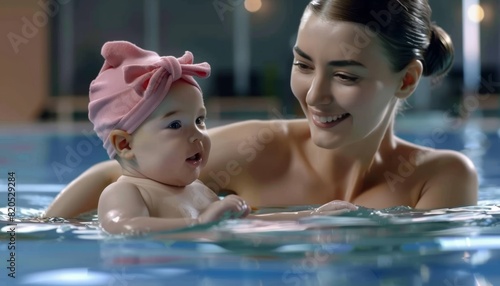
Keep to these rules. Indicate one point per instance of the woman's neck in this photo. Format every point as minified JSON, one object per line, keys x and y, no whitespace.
{"x":349,"y":167}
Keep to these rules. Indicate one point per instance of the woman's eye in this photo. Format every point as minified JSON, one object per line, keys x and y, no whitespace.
{"x":301,"y":66}
{"x":347,"y":78}
{"x":175,"y":125}
{"x":200,"y":120}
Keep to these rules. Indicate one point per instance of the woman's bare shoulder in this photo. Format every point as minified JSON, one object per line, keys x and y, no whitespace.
{"x":435,"y":159}
{"x":449,"y":177}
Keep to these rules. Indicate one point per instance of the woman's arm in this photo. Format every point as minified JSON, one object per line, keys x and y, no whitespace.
{"x":234,"y":146}
{"x":452,"y":182}
{"x":332,"y":208}
{"x":82,"y":194}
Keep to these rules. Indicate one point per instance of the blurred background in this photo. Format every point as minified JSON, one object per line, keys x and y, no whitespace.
{"x":50,"y":52}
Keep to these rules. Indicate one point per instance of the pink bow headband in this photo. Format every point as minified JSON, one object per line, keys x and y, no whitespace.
{"x":132,"y":83}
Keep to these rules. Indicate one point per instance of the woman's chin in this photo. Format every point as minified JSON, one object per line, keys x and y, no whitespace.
{"x":325,"y":138}
{"x":326,"y":142}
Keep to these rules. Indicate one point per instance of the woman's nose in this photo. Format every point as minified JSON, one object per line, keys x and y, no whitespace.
{"x":319,"y":92}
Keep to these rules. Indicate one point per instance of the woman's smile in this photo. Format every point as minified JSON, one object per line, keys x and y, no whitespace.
{"x":327,"y":120}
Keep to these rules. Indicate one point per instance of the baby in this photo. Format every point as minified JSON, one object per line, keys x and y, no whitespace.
{"x":148,"y":111}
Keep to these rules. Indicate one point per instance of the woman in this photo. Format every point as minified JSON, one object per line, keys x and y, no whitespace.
{"x":354,"y":62}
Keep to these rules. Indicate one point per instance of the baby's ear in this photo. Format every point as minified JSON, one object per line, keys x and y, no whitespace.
{"x":121,"y":142}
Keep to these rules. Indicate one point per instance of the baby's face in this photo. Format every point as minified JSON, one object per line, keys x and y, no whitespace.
{"x":172,"y":145}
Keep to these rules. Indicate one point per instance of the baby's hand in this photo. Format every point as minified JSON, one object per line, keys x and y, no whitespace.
{"x":334,"y":208}
{"x":231,"y":206}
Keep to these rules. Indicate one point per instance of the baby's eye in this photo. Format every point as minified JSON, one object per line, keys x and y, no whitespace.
{"x":175,"y":125}
{"x":200,"y":120}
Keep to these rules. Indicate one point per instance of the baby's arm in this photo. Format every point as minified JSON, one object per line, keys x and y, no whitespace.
{"x":231,"y":206}
{"x":122,"y":210}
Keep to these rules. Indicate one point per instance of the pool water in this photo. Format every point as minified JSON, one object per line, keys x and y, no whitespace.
{"x":396,"y":246}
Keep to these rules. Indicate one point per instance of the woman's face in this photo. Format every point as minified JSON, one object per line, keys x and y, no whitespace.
{"x":343,"y":81}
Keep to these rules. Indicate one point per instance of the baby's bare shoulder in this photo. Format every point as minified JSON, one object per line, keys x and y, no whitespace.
{"x":120,"y":187}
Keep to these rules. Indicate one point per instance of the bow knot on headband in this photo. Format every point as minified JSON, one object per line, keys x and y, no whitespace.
{"x":140,"y":76}
{"x":132,"y":83}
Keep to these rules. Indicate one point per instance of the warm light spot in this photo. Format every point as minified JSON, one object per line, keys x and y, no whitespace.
{"x":475,"y":13}
{"x":253,"y":5}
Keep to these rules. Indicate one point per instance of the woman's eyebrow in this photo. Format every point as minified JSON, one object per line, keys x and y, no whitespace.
{"x":302,"y":53}
{"x":345,"y":63}
{"x":339,"y":63}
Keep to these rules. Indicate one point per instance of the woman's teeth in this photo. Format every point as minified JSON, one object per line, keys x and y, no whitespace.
{"x":330,"y":119}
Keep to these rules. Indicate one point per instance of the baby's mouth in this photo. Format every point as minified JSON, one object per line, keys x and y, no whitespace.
{"x":195,"y":158}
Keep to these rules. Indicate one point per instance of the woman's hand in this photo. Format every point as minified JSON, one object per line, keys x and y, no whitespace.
{"x":334,"y":208}
{"x":231,"y":206}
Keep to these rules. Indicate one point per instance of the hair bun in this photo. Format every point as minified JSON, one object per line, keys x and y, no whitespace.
{"x":439,"y":55}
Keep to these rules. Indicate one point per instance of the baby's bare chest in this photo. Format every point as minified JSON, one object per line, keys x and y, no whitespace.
{"x":190,"y":202}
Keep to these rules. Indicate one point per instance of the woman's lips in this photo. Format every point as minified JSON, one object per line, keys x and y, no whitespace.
{"x":329,"y":121}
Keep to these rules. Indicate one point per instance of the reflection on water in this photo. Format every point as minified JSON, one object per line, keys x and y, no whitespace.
{"x":397,"y":246}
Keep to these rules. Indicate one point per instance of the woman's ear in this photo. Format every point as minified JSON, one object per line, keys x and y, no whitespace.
{"x":121,"y":142}
{"x":410,"y":79}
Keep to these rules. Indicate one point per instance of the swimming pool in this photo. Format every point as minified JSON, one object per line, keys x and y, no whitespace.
{"x":397,"y":246}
